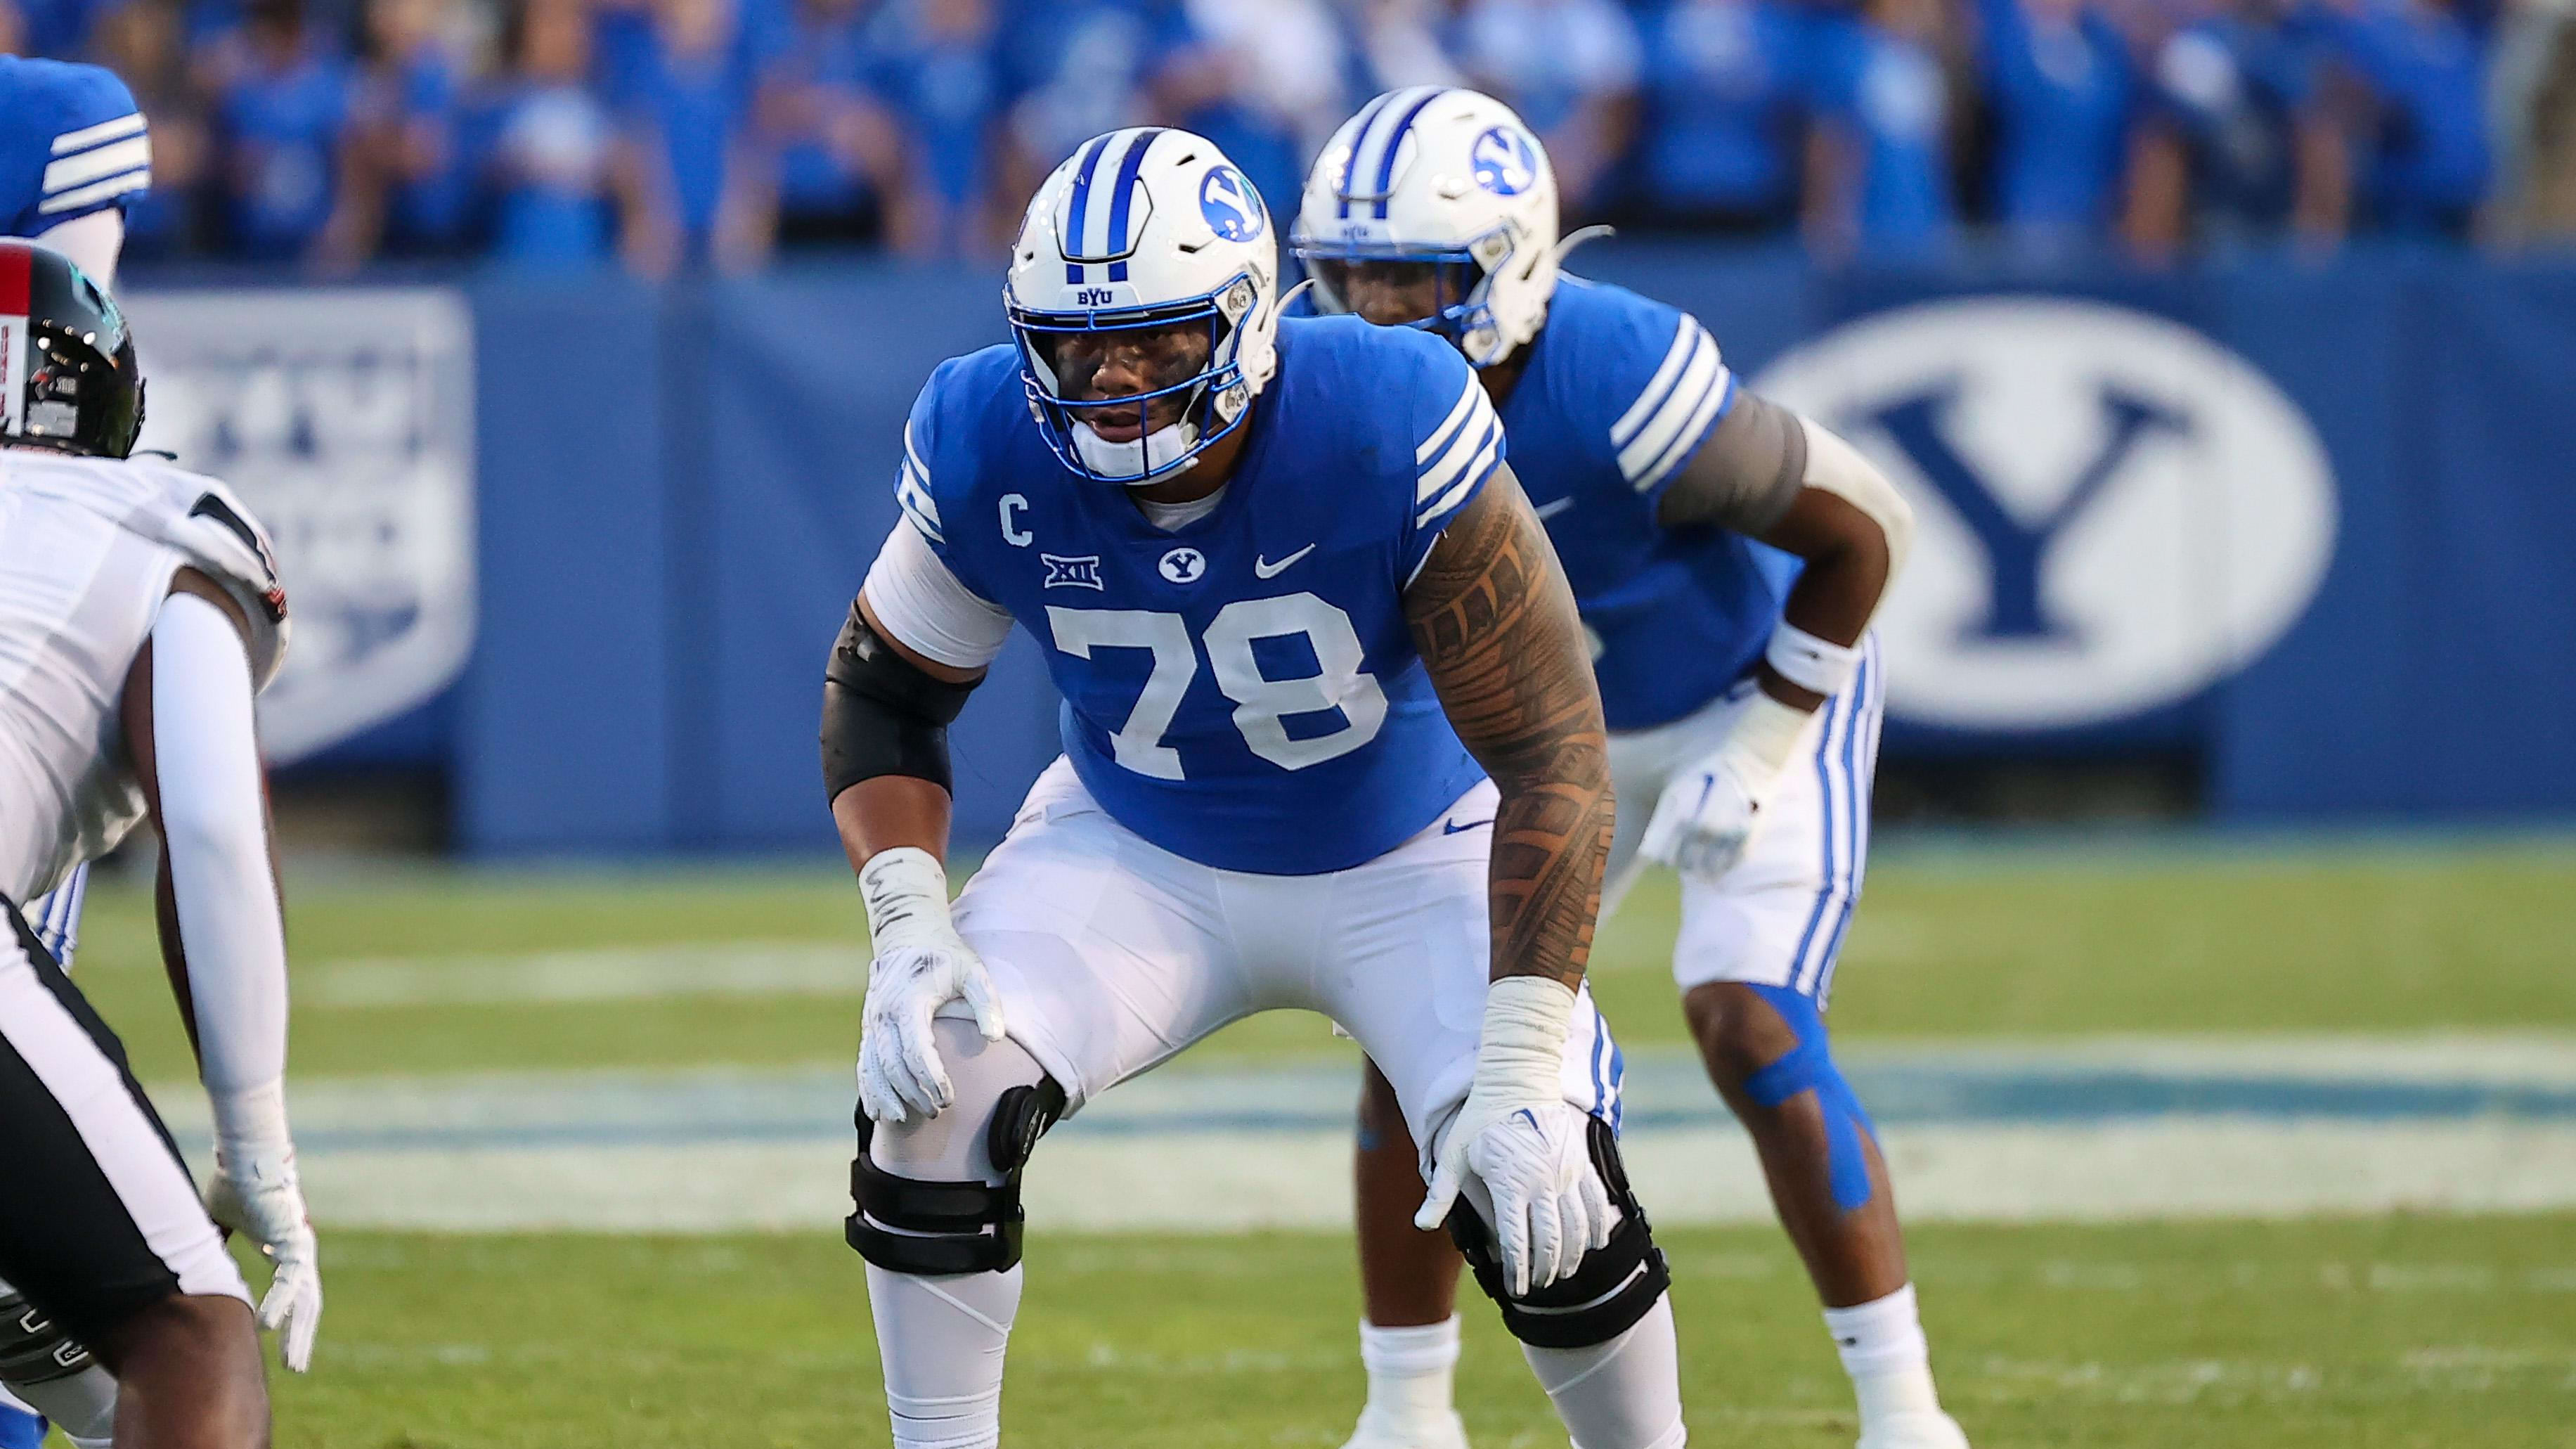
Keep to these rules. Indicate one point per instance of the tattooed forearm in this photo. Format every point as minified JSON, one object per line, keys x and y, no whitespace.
{"x":1496,"y":627}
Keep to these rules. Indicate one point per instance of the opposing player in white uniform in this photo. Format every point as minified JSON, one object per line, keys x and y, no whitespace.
{"x":1298,"y":610}
{"x":139,"y":612}
{"x":1727,"y":556}
{"x":74,"y":153}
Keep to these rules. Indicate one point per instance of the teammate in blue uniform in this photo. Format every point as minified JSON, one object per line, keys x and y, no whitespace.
{"x":1298,"y":610}
{"x":74,"y":153}
{"x":1727,"y":556}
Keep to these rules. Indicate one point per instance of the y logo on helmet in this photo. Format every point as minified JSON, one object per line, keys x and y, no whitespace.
{"x":1230,"y":205}
{"x":2112,"y":512}
{"x":1504,"y":161}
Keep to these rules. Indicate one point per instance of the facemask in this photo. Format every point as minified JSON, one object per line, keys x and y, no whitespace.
{"x":1155,"y":455}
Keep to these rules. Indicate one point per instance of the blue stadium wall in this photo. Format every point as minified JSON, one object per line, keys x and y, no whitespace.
{"x":678,"y":490}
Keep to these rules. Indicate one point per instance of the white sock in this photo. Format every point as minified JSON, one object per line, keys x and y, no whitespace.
{"x":82,"y":1405}
{"x":1624,"y":1394}
{"x":1410,"y":1370}
{"x":1884,"y":1351}
{"x":941,"y":1342}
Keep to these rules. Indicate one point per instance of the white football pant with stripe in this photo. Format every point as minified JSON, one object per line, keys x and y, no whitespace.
{"x":1779,"y":916}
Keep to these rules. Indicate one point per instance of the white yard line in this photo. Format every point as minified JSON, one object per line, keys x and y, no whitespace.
{"x":2093,"y":1130}
{"x":733,"y":968}
{"x":1230,"y":1182}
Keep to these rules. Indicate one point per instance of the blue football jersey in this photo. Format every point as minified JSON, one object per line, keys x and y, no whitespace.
{"x":1618,"y":392}
{"x":1243,"y":690}
{"x":71,"y":143}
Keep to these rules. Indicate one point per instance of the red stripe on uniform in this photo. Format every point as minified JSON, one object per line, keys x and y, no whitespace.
{"x":13,"y":279}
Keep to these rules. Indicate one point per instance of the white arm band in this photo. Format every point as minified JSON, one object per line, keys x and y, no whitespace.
{"x":1838,"y":468}
{"x":214,"y":825}
{"x":1810,"y":662}
{"x":927,"y":609}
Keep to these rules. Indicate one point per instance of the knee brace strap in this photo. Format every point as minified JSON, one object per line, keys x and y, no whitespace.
{"x":1610,"y":1289}
{"x":32,"y":1349}
{"x":951,"y":1227}
{"x":1811,"y":1068}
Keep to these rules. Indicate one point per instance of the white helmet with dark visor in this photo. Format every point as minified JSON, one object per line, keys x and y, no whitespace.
{"x":1445,"y":179}
{"x":1151,"y":237}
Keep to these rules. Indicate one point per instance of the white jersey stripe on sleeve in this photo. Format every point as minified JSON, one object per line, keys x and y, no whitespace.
{"x":1711,"y":405}
{"x":1482,"y":464}
{"x":1685,"y":338}
{"x":1448,"y":426}
{"x":103,"y":132}
{"x":912,"y":455}
{"x":912,"y":490}
{"x":84,"y":167}
{"x":1702,"y":376}
{"x":1481,"y":433}
{"x":99,"y":191}
{"x":917,"y":504}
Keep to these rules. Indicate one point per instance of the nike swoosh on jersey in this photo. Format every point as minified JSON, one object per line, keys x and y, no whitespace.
{"x":1546,"y":511}
{"x":1452,"y":827}
{"x":1262,"y":568}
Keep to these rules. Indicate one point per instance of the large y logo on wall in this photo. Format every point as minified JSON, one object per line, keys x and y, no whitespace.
{"x":345,"y":420}
{"x":2113,"y":511}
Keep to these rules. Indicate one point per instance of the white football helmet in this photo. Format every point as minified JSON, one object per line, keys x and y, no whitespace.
{"x":1146,"y":228}
{"x":1448,"y":177}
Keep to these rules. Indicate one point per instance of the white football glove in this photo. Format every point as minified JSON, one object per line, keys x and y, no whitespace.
{"x":256,"y":1193}
{"x":1530,"y":1147}
{"x":921,"y":965}
{"x":1709,"y":811}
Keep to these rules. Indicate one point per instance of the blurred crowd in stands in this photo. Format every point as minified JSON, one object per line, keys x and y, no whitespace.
{"x":682,"y":133}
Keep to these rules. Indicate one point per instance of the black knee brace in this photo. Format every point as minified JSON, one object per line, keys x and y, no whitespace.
{"x":952,"y":1227}
{"x":32,"y":1349}
{"x":1608,"y":1291}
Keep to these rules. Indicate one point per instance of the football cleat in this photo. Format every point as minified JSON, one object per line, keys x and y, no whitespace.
{"x":1934,"y":1430}
{"x":1380,"y":1430}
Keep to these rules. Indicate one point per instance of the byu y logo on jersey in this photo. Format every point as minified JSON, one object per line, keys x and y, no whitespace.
{"x":1228,"y":203}
{"x":1183,"y":566}
{"x":1505,"y":162}
{"x":2113,"y":511}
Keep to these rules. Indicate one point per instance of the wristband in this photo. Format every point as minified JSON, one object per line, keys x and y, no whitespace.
{"x":1527,"y":1019}
{"x":1767,"y":733}
{"x":250,"y":1124}
{"x":906,"y":892}
{"x":1809,"y":662}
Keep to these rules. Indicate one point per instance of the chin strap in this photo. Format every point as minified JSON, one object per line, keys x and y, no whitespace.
{"x":1585,"y":234}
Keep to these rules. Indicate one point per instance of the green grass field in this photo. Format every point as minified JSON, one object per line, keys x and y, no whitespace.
{"x":2018,"y":943}
{"x":2353,"y":1335}
{"x":2407,"y":1330}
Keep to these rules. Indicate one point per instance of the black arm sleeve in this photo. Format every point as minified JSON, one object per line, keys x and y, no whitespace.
{"x":881,"y":714}
{"x":1745,"y":476}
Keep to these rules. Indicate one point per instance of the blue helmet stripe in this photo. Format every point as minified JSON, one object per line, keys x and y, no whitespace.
{"x":1386,"y":158}
{"x":1119,"y":242}
{"x":1359,"y":142}
{"x":1089,"y":163}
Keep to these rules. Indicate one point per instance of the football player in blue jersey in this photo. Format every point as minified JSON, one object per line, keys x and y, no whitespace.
{"x":1331,"y":744}
{"x":1727,"y":556}
{"x":73,"y":155}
